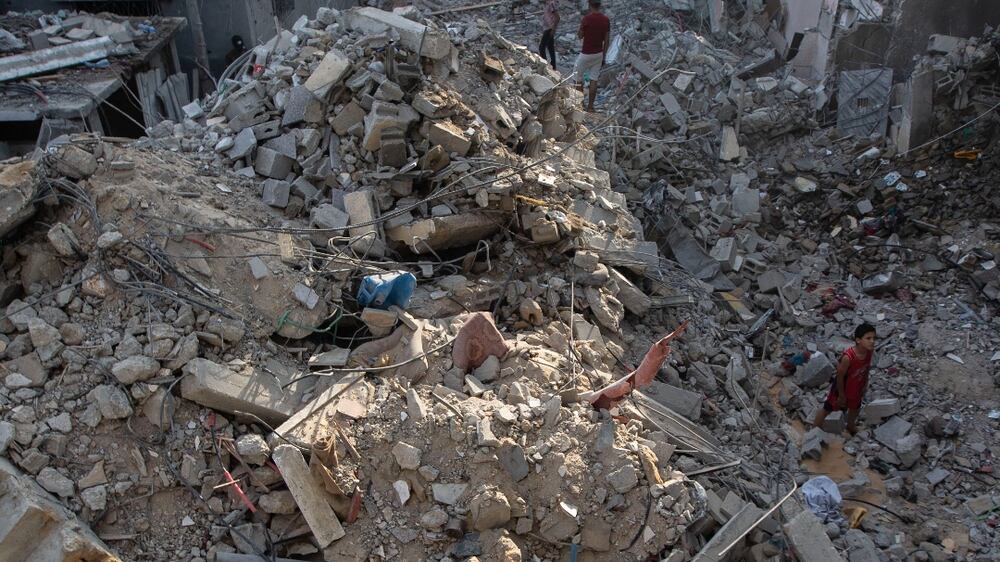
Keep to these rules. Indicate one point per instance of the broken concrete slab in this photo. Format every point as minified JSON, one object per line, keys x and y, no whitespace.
{"x":216,"y":386}
{"x":450,"y":137}
{"x":878,"y":410}
{"x":808,"y":539}
{"x":729,"y":146}
{"x":431,"y":43}
{"x":683,"y":401}
{"x":331,"y":70}
{"x":53,"y":58}
{"x":736,"y":527}
{"x":361,"y":208}
{"x":309,"y":495}
{"x":441,"y":233}
{"x":815,"y":372}
{"x":35,"y":526}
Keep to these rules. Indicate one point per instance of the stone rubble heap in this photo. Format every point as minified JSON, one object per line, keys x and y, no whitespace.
{"x":184,"y":330}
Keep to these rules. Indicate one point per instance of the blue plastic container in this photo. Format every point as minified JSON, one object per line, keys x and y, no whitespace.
{"x":387,"y":289}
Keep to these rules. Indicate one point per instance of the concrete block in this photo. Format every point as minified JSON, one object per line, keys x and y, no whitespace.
{"x":725,"y":253}
{"x":34,"y":526}
{"x":393,"y":150}
{"x":808,"y":539}
{"x":860,"y":547}
{"x":360,"y":207}
{"x":275,"y":193}
{"x":643,"y":68}
{"x":38,"y":40}
{"x":382,"y":116}
{"x":242,"y":107}
{"x":350,"y":115}
{"x":329,"y":217}
{"x":305,"y":295}
{"x":634,"y":300}
{"x":284,"y":144}
{"x":835,"y":422}
{"x":258,"y":268}
{"x":545,"y":232}
{"x":441,"y":233}
{"x":878,"y":410}
{"x":770,"y":281}
{"x":304,"y":189}
{"x":729,"y":147}
{"x":745,"y":202}
{"x":892,"y":431}
{"x":682,"y":401}
{"x":216,"y":386}
{"x":272,"y":164}
{"x":416,"y":37}
{"x":302,"y":106}
{"x":328,"y":73}
{"x":243,"y":144}
{"x":266,"y":130}
{"x":309,"y":495}
{"x":815,"y":372}
{"x":450,"y":137}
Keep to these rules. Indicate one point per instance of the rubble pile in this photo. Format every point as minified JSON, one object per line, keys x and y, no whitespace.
{"x":375,"y":299}
{"x":36,"y":31}
{"x":341,"y":105}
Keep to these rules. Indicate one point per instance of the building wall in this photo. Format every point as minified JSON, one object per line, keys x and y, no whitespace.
{"x":253,"y":20}
{"x":876,"y":44}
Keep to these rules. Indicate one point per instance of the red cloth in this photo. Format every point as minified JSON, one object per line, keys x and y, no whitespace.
{"x":594,"y":26}
{"x":608,"y":396}
{"x":854,"y":383}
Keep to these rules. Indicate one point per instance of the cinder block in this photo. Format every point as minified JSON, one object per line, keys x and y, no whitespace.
{"x":276,"y":193}
{"x":273,"y":164}
{"x":382,"y":116}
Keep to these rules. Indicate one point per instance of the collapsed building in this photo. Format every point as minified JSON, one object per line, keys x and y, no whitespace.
{"x":374,"y":298}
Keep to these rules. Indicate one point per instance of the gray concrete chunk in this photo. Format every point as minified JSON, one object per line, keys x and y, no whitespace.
{"x":808,"y":539}
{"x":272,"y":164}
{"x":275,"y":193}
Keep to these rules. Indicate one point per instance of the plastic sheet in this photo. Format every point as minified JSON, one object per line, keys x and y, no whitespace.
{"x":824,"y":499}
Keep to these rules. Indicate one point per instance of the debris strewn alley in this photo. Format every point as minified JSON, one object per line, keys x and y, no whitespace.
{"x":385,"y":290}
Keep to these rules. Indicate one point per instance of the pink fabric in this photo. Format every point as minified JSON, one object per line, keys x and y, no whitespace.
{"x":610,"y":395}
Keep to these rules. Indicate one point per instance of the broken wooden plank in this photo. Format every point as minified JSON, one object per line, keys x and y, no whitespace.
{"x":308,"y":495}
{"x":52,"y":58}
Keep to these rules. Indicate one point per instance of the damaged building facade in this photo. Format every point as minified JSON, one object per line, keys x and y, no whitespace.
{"x":383,"y":290}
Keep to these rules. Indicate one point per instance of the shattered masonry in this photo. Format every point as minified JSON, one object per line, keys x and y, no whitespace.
{"x":388,"y":293}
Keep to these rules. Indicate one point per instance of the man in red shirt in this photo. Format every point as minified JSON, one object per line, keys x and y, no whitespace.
{"x":595,"y":28}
